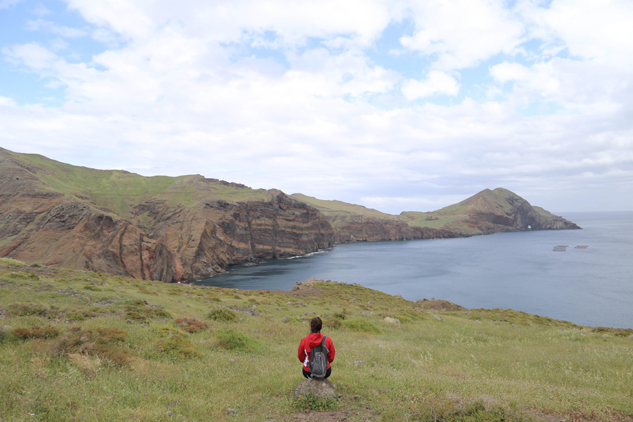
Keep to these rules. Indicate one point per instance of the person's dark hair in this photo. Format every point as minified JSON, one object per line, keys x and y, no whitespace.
{"x":315,"y":325}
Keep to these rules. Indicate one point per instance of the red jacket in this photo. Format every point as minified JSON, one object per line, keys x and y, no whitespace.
{"x":313,"y":340}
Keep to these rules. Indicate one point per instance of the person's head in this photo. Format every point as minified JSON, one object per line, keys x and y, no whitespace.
{"x":315,"y":325}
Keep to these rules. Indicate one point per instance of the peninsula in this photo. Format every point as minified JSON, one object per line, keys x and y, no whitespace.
{"x":180,"y":228}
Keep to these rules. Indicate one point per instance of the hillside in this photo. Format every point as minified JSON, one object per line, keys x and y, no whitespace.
{"x":164,"y":228}
{"x":355,"y":223}
{"x":489,"y":211}
{"x":186,"y":227}
{"x":83,"y":345}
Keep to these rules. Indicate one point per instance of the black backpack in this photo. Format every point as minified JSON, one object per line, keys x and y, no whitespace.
{"x":318,"y":360}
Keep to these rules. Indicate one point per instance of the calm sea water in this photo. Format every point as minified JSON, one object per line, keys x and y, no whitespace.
{"x":519,"y":270}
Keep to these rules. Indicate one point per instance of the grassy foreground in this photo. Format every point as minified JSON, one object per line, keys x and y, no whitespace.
{"x":78,"y":345}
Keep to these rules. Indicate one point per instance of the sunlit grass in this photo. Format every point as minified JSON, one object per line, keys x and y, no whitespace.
{"x":113,"y":348}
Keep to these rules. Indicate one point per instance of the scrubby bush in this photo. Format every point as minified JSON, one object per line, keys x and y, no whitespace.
{"x":35,"y":332}
{"x":22,"y":309}
{"x":223,"y":315}
{"x":108,"y":343}
{"x":191,"y":325}
{"x":335,"y":323}
{"x":137,"y":311}
{"x":234,"y":340}
{"x":339,"y":315}
{"x":361,"y":325}
{"x":176,"y":346}
{"x":165,"y":330}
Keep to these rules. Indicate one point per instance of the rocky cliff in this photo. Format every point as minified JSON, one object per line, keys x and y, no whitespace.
{"x":180,"y":228}
{"x":355,"y":223}
{"x":168,"y":229}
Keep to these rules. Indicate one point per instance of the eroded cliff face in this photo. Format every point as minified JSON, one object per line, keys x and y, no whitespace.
{"x":158,"y":239}
{"x":363,"y":229}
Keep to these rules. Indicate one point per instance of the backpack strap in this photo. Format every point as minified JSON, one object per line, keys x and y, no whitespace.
{"x":323,"y":344}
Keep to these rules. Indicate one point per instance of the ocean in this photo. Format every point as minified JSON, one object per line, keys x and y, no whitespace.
{"x":519,"y":270}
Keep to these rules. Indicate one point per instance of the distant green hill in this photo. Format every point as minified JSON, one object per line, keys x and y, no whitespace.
{"x":489,"y":211}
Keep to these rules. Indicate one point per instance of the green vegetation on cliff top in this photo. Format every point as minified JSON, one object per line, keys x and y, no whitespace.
{"x":338,"y":212}
{"x":87,"y":346}
{"x":120,"y":190}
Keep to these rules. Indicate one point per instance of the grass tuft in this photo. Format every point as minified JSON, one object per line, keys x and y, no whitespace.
{"x":12,"y":262}
{"x":191,"y":325}
{"x":107,"y":343}
{"x":35,"y":332}
{"x":234,"y":340}
{"x":223,"y":315}
{"x":311,"y":402}
{"x":362,"y":325}
{"x":176,"y":346}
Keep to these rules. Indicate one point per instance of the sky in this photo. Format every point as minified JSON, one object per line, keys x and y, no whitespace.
{"x":394,"y":105}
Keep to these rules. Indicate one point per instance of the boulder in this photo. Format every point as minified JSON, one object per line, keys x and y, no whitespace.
{"x":394,"y":321}
{"x":320,"y":388}
{"x":437,"y":317}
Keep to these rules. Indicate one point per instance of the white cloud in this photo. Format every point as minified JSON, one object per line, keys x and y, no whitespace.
{"x":463,"y":33}
{"x":41,"y":10}
{"x":436,"y":83}
{"x":63,"y":31}
{"x":7,"y":102}
{"x":31,"y":55}
{"x":592,"y":30}
{"x":184,"y":90}
{"x":4,"y":4}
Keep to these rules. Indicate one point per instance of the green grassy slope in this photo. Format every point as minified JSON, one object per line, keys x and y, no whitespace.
{"x":120,"y":190}
{"x":112,"y":348}
{"x":455,"y":217}
{"x":338,"y":212}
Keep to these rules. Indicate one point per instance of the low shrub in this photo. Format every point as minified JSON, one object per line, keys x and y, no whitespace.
{"x":191,"y":325}
{"x":223,"y":315}
{"x":335,"y":323}
{"x":22,"y":309}
{"x":143,"y":313}
{"x":362,"y":325}
{"x":165,"y":330}
{"x":339,"y":315}
{"x":176,"y":346}
{"x":107,"y":343}
{"x":234,"y":340}
{"x":35,"y":332}
{"x":78,"y":315}
{"x":135,"y":316}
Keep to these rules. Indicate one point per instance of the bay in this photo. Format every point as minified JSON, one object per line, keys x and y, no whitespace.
{"x":518,"y":270}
